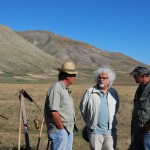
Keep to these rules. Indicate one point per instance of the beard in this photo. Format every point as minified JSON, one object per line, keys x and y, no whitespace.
{"x":101,"y":85}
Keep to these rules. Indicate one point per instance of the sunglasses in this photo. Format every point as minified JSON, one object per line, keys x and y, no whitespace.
{"x":72,"y":75}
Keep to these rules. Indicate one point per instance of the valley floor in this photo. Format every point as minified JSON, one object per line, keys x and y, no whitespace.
{"x":10,"y":106}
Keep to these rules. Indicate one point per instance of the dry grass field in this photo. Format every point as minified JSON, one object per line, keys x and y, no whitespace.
{"x":10,"y":106}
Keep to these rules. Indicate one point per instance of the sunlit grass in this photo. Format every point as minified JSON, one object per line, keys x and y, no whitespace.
{"x":9,"y":105}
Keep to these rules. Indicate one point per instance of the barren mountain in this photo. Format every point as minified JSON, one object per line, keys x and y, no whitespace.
{"x":35,"y":55}
{"x":81,"y":53}
{"x":86,"y":57}
{"x":20,"y":59}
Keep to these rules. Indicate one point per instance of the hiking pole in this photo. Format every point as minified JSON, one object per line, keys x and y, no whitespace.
{"x":40,"y":134}
{"x":26,"y":95}
{"x":20,"y":120}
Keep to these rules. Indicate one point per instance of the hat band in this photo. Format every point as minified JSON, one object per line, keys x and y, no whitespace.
{"x":68,"y":70}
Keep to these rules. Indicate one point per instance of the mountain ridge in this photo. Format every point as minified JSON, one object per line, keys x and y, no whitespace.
{"x":71,"y":49}
{"x":35,"y":55}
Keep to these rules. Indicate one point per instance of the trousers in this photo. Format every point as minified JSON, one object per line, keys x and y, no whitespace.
{"x":61,"y":140}
{"x":98,"y":141}
{"x":141,"y":140}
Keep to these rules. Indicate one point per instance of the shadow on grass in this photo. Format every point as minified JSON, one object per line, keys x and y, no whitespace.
{"x":16,"y":148}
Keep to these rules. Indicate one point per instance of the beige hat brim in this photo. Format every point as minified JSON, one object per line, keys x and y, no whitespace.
{"x":67,"y":71}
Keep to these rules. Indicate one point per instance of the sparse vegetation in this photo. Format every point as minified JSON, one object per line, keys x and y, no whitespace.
{"x":9,"y":105}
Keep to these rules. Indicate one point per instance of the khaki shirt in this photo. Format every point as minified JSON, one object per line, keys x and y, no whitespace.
{"x":59,"y":99}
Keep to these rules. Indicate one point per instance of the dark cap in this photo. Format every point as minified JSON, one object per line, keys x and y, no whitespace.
{"x":140,"y":70}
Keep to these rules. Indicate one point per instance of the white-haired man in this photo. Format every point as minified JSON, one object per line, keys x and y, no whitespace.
{"x":98,"y":108}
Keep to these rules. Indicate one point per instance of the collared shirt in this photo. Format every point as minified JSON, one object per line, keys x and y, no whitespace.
{"x":59,"y":99}
{"x":103,"y":118}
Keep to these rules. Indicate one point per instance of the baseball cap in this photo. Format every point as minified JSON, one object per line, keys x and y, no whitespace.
{"x":140,"y":70}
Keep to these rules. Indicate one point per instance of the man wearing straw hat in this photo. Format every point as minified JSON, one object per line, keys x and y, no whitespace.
{"x":59,"y":109}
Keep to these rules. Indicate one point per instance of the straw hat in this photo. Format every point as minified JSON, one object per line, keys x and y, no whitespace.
{"x":68,"y":67}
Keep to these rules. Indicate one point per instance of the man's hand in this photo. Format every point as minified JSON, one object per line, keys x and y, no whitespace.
{"x":57,"y":119}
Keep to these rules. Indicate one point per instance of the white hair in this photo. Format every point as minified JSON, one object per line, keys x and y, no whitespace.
{"x":105,"y":69}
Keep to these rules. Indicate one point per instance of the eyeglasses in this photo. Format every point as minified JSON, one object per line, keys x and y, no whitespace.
{"x":104,"y":78}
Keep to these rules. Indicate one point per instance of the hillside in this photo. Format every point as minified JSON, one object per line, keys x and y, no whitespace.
{"x":87,"y":57}
{"x":81,"y":53}
{"x":33,"y":56}
{"x":21,"y":59}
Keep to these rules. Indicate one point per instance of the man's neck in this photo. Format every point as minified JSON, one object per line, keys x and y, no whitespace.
{"x":65,"y":82}
{"x":146,"y":80}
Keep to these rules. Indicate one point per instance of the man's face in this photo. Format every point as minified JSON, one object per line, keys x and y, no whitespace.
{"x":138,"y":78}
{"x":71,"y":78}
{"x":103,"y":81}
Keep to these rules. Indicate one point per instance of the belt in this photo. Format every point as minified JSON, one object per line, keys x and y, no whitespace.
{"x":147,"y":127}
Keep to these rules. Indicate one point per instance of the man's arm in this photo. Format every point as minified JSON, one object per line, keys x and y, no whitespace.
{"x":57,"y":119}
{"x":114,"y":93}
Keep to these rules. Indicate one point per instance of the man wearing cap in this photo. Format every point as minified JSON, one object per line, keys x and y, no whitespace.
{"x":140,"y":124}
{"x":59,"y":109}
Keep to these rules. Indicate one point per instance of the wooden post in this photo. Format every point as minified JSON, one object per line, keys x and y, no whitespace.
{"x":20,"y":120}
{"x":25,"y":125}
{"x":48,"y":145}
{"x":40,"y":134}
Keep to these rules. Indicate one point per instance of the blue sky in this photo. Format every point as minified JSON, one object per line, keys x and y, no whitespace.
{"x":113,"y":25}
